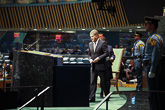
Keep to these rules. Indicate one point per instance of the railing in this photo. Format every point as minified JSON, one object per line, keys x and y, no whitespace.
{"x":43,"y":91}
{"x":10,"y":90}
{"x":105,"y":99}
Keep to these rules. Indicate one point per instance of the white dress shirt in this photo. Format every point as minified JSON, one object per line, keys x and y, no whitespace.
{"x":95,"y":44}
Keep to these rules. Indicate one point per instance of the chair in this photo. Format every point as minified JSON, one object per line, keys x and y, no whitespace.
{"x":116,"y":64}
{"x":7,"y":61}
{"x":5,"y":58}
{"x":72,"y":59}
{"x":73,"y":62}
{"x":116,"y":68}
{"x":85,"y":61}
{"x":66,"y":60}
{"x":80,"y":61}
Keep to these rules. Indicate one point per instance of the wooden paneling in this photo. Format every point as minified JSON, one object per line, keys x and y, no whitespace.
{"x":53,"y":16}
{"x":16,"y":18}
{"x":64,"y":16}
{"x":45,"y":20}
{"x":7,"y":16}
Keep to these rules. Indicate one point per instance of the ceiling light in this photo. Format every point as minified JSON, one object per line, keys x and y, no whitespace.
{"x":104,"y":28}
{"x":139,"y":27}
{"x":83,"y":29}
{"x":60,"y":29}
{"x":130,"y":30}
{"x":70,"y":31}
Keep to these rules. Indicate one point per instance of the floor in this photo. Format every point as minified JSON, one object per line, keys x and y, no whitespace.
{"x":125,"y":100}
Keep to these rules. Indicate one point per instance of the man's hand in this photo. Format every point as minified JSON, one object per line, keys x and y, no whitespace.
{"x":151,"y":75}
{"x":111,"y":59}
{"x":96,"y":60}
{"x":91,"y":61}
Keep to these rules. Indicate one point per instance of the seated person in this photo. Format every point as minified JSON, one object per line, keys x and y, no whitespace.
{"x":64,"y":51}
{"x":5,"y":69}
{"x":129,"y":73}
{"x":76,"y":51}
{"x":11,"y":71}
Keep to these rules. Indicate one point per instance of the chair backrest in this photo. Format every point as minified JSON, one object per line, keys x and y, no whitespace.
{"x":72,"y":59}
{"x":7,"y":61}
{"x":117,"y":62}
{"x":65,"y":59}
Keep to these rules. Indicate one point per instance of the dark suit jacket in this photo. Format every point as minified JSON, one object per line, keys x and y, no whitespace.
{"x":101,"y":51}
{"x":109,"y":63}
{"x":111,"y":54}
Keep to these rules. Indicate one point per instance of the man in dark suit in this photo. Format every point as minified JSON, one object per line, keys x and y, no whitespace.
{"x":98,"y":52}
{"x":109,"y":61}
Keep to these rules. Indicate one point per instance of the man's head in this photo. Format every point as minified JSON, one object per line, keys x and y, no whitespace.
{"x":102,"y":38}
{"x":137,"y":35}
{"x":94,"y":35}
{"x":151,"y":23}
{"x":4,"y":65}
{"x":132,"y":62}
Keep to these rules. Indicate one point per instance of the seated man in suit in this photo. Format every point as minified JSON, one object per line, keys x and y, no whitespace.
{"x":5,"y":69}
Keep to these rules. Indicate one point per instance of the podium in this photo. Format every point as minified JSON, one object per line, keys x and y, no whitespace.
{"x":33,"y":71}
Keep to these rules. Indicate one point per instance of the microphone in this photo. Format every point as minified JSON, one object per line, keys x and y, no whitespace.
{"x":29,"y":46}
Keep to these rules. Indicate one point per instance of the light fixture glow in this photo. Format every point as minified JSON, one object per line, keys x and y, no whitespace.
{"x":139,"y":27}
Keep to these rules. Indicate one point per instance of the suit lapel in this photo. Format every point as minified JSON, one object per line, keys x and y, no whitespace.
{"x":92,"y":48}
{"x":97,"y":46}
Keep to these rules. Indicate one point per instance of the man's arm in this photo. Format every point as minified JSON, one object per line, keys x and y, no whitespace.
{"x":89,"y":53}
{"x":105,"y":51}
{"x":111,"y":54}
{"x":141,"y":47}
{"x":155,"y":57}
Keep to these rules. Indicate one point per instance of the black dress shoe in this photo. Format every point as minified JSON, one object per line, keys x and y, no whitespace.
{"x":91,"y":100}
{"x":101,"y":95}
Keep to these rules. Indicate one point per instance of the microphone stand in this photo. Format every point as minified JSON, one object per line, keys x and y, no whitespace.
{"x":29,"y":46}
